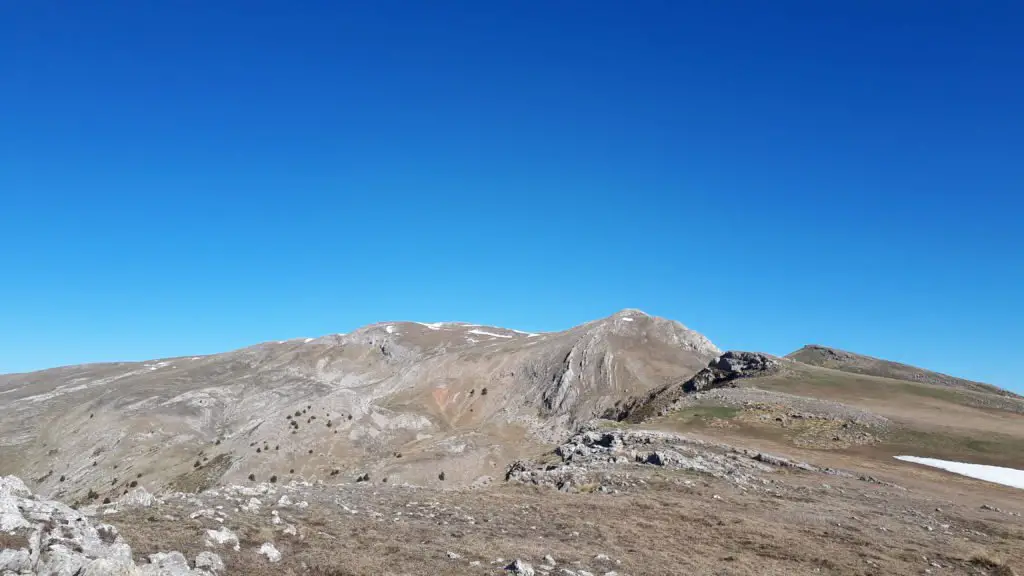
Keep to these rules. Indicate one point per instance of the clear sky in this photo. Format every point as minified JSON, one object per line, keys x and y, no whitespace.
{"x":191,"y":177}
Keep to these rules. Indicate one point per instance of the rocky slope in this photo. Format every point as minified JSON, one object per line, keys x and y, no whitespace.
{"x":437,"y":404}
{"x":859,"y":364}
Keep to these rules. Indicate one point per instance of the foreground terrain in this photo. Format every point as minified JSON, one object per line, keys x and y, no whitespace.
{"x":627,"y":446}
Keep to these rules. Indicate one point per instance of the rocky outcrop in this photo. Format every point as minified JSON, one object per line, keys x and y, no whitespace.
{"x":723,"y":371}
{"x":603,"y":459}
{"x":61,"y":541}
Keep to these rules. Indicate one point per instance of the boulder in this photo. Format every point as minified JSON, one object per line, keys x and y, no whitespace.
{"x":63,"y":542}
{"x":137,"y":498}
{"x":210,"y":562}
{"x":270,"y":552}
{"x":222,"y":537}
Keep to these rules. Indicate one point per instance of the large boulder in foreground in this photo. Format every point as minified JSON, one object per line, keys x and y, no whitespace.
{"x":53,"y":539}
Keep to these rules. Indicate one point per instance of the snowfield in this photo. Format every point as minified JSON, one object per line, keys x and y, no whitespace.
{"x":995,"y":474}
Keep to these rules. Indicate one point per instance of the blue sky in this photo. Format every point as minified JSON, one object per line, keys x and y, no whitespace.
{"x":191,"y":177}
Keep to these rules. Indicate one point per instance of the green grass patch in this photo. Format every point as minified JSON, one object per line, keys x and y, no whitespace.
{"x":702,"y":414}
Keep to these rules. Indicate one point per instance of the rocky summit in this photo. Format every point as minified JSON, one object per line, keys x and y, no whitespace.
{"x":630,"y":445}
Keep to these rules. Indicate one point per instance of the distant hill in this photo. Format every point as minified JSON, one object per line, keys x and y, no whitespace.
{"x":836,"y":359}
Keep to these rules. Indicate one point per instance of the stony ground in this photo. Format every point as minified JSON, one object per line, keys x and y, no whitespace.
{"x":643,"y":503}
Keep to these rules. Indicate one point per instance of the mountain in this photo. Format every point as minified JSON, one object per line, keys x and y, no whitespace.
{"x":412,"y":401}
{"x":859,"y":364}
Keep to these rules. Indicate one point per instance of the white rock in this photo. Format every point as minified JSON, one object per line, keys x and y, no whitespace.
{"x":253,"y":505}
{"x":284,"y":501}
{"x":137,"y":498}
{"x":222,"y":537}
{"x":210,"y":562}
{"x":290,"y":530}
{"x":270,"y":552}
{"x":549,"y":560}
{"x":169,"y":564}
{"x":15,"y":561}
{"x":453,"y":555}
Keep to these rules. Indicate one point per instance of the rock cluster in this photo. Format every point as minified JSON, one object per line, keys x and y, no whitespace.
{"x":60,"y":541}
{"x":594,"y":459}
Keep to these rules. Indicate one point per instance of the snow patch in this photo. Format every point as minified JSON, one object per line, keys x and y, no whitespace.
{"x":308,"y":340}
{"x":485,"y":333}
{"x":995,"y":474}
{"x":627,"y":319}
{"x":389,"y":329}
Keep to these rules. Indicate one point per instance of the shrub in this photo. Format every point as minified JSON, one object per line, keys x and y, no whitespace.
{"x":292,"y":471}
{"x":139,"y":475}
{"x":62,"y":478}
{"x":92,"y":494}
{"x":310,"y":450}
{"x":273,"y":479}
{"x":258,"y":450}
{"x":133,"y":484}
{"x":349,"y":416}
{"x":441,"y":476}
{"x":483,"y":392}
{"x":106,"y":500}
{"x":217,"y":443}
{"x":197,"y":464}
{"x":113,"y":482}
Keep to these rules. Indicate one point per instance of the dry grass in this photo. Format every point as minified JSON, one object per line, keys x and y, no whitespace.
{"x":12,"y":541}
{"x":664,"y":527}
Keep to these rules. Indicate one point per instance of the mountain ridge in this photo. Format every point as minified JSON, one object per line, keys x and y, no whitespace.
{"x":838,"y":359}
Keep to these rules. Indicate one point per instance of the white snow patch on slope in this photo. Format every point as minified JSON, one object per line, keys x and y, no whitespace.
{"x":389,"y":329}
{"x":485,"y":333}
{"x":627,"y":319}
{"x":996,"y":474}
{"x":308,"y":340}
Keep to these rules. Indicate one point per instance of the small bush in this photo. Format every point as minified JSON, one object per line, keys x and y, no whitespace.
{"x":106,"y":500}
{"x":252,"y":477}
{"x":113,"y":482}
{"x":139,"y":475}
{"x":94,"y":463}
{"x":197,"y":464}
{"x":311,"y":451}
{"x":349,"y":416}
{"x":258,"y":450}
{"x":292,"y":471}
{"x":441,"y":476}
{"x":483,"y":392}
{"x":92,"y":495}
{"x":217,"y":443}
{"x":62,"y":478}
{"x":133,"y":484}
{"x":298,"y":413}
{"x":329,"y":424}
{"x":273,"y":479}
